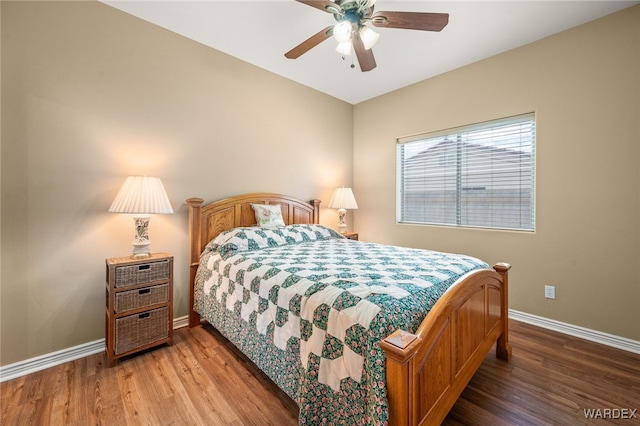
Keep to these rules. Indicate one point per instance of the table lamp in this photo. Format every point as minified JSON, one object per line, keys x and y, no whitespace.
{"x":342,"y":200}
{"x":142,"y":196}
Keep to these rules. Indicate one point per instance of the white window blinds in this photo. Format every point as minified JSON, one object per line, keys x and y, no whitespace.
{"x":481,"y":175}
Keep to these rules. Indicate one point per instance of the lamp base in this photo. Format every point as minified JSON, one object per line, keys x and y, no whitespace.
{"x":141,"y":241}
{"x":342,"y":223}
{"x":140,"y":251}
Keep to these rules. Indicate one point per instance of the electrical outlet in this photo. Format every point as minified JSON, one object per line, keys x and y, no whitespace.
{"x":549,"y":292}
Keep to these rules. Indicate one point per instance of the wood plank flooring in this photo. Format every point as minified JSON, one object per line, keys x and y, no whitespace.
{"x":202,"y":380}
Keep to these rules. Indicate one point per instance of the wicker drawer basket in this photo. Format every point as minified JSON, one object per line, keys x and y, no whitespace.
{"x":140,"y":298}
{"x":142,"y":273}
{"x":138,"y":330}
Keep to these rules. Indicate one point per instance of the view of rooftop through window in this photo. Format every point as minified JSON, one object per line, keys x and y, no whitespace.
{"x":480,"y":175}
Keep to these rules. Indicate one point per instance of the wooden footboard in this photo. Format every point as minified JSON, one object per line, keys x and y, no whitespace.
{"x":427,"y":372}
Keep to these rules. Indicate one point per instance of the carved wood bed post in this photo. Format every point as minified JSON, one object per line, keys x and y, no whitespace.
{"x":195,"y":233}
{"x":503,"y":347}
{"x":316,"y":210}
{"x":399,"y":380}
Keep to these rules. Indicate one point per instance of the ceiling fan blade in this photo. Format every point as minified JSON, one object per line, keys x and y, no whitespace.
{"x":310,"y":43}
{"x":365,"y":56}
{"x":324,"y":5}
{"x":411,"y":20}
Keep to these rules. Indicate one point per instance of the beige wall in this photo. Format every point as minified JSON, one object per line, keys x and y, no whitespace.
{"x":91,"y":95}
{"x":584,"y":86}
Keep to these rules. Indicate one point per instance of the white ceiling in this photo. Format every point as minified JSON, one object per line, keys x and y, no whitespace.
{"x":261,"y":31}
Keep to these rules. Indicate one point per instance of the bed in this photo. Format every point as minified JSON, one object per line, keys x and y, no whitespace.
{"x":347,"y":342}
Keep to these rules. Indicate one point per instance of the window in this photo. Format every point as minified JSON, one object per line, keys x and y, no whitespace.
{"x":481,"y":175}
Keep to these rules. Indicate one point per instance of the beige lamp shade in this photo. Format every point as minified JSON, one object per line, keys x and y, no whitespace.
{"x":343,"y":199}
{"x":142,"y":196}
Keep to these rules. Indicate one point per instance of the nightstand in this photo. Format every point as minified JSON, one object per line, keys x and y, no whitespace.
{"x":351,"y":235}
{"x":139,"y":304}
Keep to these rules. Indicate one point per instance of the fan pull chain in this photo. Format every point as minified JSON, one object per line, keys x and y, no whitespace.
{"x":352,"y":64}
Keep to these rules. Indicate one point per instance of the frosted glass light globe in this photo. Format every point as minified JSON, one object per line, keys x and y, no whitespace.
{"x":342,"y":31}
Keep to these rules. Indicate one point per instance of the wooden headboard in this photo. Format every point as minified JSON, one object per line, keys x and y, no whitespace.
{"x":206,"y":222}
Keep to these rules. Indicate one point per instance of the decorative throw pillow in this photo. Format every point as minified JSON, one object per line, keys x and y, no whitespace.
{"x":268,"y":215}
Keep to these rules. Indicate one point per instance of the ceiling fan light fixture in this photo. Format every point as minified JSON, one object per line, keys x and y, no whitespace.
{"x":369,"y":37}
{"x":352,"y":33}
{"x":344,"y":48}
{"x":342,"y":31}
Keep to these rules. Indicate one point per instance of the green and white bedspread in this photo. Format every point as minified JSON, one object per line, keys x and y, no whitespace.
{"x":309,"y":308}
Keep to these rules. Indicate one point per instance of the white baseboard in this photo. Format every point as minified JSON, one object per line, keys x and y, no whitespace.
{"x":576,"y":331}
{"x":22,"y":368}
{"x":181,"y":322}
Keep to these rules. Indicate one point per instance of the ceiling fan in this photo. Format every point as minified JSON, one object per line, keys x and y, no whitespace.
{"x":351,"y":30}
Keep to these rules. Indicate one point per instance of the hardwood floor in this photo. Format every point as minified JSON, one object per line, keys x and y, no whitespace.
{"x":202,"y":380}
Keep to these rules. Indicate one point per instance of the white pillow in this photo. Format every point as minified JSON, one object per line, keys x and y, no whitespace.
{"x":268,"y":215}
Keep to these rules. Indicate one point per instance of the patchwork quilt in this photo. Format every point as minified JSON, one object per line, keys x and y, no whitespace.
{"x":309,"y":307}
